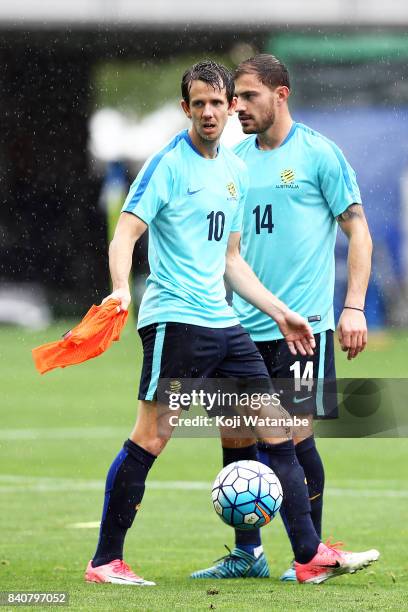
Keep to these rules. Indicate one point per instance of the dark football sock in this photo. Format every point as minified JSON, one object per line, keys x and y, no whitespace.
{"x":245,"y":540}
{"x":125,"y":485}
{"x":312,"y":465}
{"x":295,"y":508}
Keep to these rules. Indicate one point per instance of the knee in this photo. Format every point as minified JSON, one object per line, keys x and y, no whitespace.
{"x":298,"y":439}
{"x":153,"y":444}
{"x":228,"y":442}
{"x":305,"y":440}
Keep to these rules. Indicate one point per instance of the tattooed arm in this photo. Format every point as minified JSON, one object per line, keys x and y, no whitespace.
{"x":352,"y":327}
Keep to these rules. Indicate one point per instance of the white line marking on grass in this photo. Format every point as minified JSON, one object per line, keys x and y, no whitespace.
{"x":63,"y":433}
{"x":89,"y":525}
{"x":379,"y":493}
{"x":10,"y":483}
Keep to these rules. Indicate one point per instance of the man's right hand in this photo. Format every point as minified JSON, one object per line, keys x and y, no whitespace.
{"x":297,"y":333}
{"x":123,"y":295}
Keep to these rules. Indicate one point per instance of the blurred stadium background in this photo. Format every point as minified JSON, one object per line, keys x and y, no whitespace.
{"x":89,"y":88}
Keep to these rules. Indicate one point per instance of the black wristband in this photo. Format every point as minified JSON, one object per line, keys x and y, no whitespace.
{"x":354,"y":308}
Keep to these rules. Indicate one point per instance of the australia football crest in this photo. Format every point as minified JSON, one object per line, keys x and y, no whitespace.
{"x":232,"y":190}
{"x":287,"y":177}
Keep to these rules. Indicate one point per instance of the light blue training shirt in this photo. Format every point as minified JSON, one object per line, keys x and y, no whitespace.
{"x":289,"y":229}
{"x":191,"y":204}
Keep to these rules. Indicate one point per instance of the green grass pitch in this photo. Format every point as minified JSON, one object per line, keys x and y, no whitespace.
{"x":58,"y":436}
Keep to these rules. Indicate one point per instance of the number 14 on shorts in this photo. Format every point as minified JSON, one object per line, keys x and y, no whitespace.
{"x":305,"y":379}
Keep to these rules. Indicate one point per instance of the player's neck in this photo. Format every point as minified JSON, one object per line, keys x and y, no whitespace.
{"x":208,"y":149}
{"x":276,"y":134}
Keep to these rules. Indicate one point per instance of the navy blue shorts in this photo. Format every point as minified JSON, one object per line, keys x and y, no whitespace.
{"x":315,"y":390}
{"x":182,"y":351}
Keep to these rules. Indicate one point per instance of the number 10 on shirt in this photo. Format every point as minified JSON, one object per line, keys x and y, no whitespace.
{"x":216,"y":226}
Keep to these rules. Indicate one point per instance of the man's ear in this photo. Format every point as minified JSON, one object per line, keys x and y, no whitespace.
{"x":233,"y":106}
{"x":186,"y":108}
{"x":283,"y":93}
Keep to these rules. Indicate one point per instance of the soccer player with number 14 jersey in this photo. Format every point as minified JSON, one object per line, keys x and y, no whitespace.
{"x":301,"y":187}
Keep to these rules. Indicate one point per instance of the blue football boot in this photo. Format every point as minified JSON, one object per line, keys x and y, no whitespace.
{"x":237,"y":564}
{"x":290,"y":574}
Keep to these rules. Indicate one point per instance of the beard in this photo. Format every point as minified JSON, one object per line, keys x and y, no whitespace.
{"x":261,"y":125}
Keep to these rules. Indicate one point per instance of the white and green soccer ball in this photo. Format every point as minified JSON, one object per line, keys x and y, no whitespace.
{"x":246,"y":494}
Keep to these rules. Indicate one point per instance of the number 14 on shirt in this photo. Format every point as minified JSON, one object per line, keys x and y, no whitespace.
{"x":263,"y":218}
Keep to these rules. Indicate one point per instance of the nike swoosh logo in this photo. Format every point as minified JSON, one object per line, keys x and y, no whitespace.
{"x":329,"y":566}
{"x":299,"y":400}
{"x":192,"y":192}
{"x":126,"y":579}
{"x":266,"y":516}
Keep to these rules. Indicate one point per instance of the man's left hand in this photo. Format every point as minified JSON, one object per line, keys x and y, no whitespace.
{"x":352,"y":331}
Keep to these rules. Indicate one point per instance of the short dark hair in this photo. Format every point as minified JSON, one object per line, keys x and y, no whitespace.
{"x":216,"y":75}
{"x":269,"y":70}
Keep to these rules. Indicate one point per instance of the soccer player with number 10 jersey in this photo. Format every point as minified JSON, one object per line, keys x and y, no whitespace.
{"x":191,"y":195}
